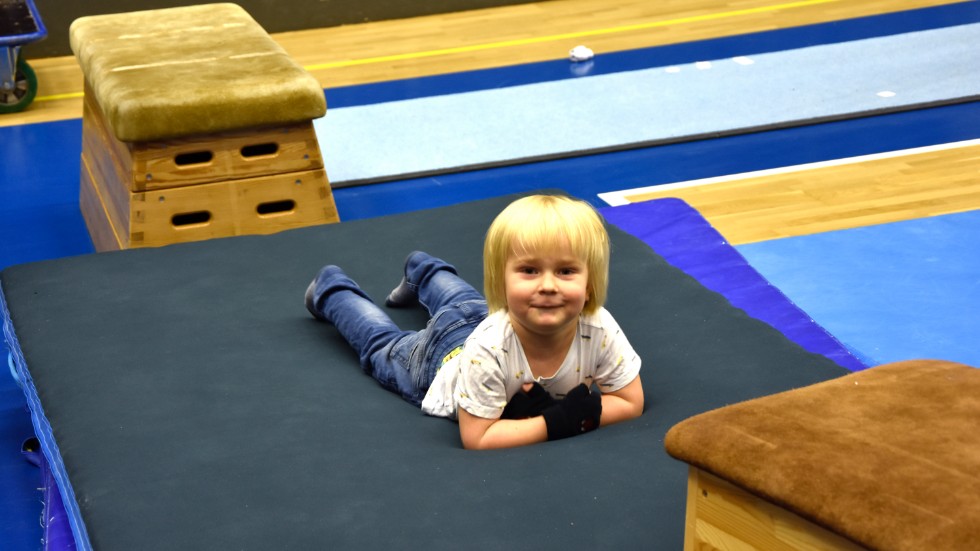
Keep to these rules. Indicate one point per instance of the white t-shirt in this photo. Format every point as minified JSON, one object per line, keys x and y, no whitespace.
{"x":491,"y":367}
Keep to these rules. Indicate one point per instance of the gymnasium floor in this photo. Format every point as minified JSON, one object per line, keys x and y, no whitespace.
{"x":39,"y":166}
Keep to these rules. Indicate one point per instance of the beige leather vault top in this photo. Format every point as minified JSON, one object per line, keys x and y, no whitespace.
{"x":175,"y":72}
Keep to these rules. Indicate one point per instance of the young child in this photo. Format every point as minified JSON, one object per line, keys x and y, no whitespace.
{"x":516,"y":368}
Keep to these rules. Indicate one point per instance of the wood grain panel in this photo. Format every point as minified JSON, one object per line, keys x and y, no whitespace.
{"x":811,"y":200}
{"x":725,"y":517}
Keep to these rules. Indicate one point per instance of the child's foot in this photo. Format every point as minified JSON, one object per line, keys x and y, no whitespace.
{"x":326,"y":280}
{"x":402,"y":296}
{"x":405,"y":294}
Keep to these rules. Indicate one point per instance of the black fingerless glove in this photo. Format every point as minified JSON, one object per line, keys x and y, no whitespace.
{"x":525,"y":405}
{"x":579,"y":411}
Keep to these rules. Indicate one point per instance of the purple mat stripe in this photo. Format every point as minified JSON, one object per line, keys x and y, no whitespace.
{"x":679,"y":233}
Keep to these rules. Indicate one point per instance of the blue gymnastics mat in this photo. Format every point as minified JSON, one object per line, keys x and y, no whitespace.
{"x":480,"y":129}
{"x":890,"y":292}
{"x":20,"y":502}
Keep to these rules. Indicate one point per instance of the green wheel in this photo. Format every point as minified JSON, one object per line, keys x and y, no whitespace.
{"x":25,"y":88}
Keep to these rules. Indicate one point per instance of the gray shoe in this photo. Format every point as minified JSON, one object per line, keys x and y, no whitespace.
{"x":405,"y":294}
{"x":330,"y":278}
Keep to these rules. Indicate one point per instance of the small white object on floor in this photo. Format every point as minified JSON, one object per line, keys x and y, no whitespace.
{"x":580,"y":53}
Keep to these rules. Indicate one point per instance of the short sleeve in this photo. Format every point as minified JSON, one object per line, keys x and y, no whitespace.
{"x":617,"y":363}
{"x":480,"y":388}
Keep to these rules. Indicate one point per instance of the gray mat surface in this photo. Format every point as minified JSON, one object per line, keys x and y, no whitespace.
{"x":187,"y":400}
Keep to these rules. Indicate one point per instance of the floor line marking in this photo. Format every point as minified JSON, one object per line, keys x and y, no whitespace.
{"x":55,"y":97}
{"x":619,"y":198}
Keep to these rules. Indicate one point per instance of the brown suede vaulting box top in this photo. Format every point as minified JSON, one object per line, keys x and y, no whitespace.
{"x":888,"y":457}
{"x":168,"y":73}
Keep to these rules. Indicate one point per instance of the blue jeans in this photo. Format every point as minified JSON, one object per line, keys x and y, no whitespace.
{"x":404,"y":362}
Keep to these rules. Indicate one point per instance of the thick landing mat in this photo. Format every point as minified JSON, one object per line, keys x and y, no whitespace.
{"x":185,"y":399}
{"x":891,"y":292}
{"x":709,"y":98}
{"x":675,"y":231}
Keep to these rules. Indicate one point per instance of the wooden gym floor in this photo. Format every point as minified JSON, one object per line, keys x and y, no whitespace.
{"x":745,"y":210}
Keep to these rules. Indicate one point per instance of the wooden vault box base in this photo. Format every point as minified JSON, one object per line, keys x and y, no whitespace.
{"x":252,"y":181}
{"x":722,"y":516}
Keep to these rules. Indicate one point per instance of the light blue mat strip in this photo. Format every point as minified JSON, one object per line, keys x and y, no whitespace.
{"x":502,"y":126}
{"x":891,"y":292}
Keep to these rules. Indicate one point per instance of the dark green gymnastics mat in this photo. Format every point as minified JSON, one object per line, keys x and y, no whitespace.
{"x":186,"y":400}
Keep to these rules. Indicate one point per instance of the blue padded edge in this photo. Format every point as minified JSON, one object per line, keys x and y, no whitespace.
{"x":42,"y":429}
{"x":679,"y":233}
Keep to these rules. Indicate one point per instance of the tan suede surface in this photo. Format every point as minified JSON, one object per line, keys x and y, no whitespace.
{"x":888,"y":457}
{"x":177,"y":72}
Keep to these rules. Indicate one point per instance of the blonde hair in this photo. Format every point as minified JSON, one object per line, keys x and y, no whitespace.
{"x":546,"y":222}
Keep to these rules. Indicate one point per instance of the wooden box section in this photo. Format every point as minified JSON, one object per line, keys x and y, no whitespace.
{"x":723,"y":516}
{"x":262,"y":205}
{"x":252,"y":181}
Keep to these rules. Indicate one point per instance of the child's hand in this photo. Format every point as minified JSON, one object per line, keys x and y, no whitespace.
{"x":577,"y":413}
{"x":530,"y":402}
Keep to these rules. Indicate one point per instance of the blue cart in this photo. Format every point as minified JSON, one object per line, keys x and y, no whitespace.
{"x":20,"y":24}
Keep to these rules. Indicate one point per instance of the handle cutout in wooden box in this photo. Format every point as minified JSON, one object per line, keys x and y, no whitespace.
{"x":259,"y":150}
{"x":275,"y":208}
{"x":191,"y":219}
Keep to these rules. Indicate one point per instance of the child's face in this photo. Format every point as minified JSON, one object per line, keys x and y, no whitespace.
{"x":546,"y":290}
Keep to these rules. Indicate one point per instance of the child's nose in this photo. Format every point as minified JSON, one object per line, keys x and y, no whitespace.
{"x":548,"y":282}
